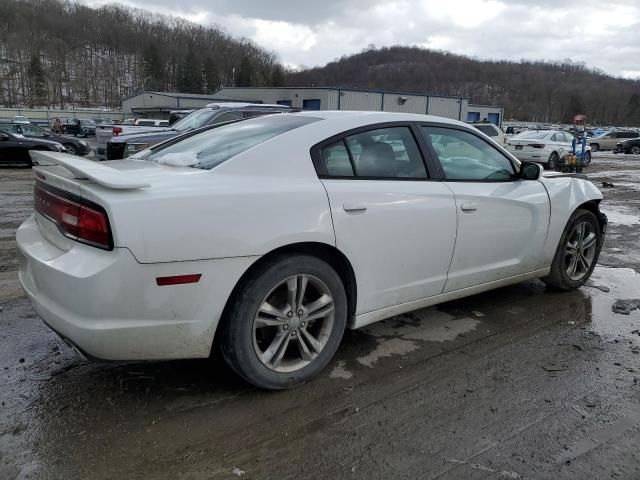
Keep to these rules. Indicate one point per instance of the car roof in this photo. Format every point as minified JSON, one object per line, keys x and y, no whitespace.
{"x":244,"y":105}
{"x":358,"y":116}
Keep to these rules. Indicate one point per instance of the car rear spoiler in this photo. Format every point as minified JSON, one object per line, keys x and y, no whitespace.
{"x":87,"y":169}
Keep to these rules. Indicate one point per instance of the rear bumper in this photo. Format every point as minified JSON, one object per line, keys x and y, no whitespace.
{"x":109,"y":305}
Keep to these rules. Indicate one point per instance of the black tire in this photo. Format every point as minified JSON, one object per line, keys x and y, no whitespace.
{"x":635,"y":150}
{"x":237,"y":329}
{"x":558,"y":277}
{"x":71,"y":149}
{"x":594,"y":147}
{"x":587,"y":159}
{"x":554,"y":160}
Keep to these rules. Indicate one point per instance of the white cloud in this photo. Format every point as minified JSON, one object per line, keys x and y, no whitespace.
{"x":603,"y":34}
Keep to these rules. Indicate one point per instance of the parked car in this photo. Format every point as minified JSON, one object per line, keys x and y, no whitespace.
{"x":176,"y":115}
{"x":73,"y":145}
{"x":20,"y":119}
{"x":628,"y":146}
{"x":106,"y":132}
{"x":491,"y":130}
{"x":122,"y":145}
{"x":275,"y":233}
{"x":74,"y":126}
{"x":609,"y":140}
{"x":14,"y":149}
{"x":151,"y":122}
{"x":514,"y":130}
{"x":545,"y":146}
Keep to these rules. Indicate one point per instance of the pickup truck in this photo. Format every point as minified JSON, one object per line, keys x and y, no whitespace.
{"x":106,"y":132}
{"x":128,"y":142}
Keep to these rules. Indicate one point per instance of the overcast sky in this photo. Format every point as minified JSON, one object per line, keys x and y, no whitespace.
{"x":602,"y":33}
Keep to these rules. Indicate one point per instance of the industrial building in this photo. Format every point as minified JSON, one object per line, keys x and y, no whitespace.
{"x":330,"y":98}
{"x":159,"y":104}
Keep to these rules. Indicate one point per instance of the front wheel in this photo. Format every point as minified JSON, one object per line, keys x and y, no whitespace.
{"x":594,"y":147}
{"x":635,"y":150}
{"x":554,"y":160}
{"x":577,"y":252}
{"x":587,"y":159}
{"x":285,"y":323}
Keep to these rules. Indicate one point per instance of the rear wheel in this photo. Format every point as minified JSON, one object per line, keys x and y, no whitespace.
{"x":577,"y":252}
{"x":587,"y":159}
{"x":554,"y":160}
{"x":286,"y":322}
{"x":635,"y":150}
{"x":594,"y":147}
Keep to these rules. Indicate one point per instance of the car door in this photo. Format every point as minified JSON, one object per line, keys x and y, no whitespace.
{"x":559,"y":144}
{"x":502,"y":220}
{"x":12,"y":149}
{"x":395,"y":224}
{"x":609,"y":141}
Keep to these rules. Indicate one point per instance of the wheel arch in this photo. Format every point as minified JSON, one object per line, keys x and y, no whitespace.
{"x":593,"y":206}
{"x":328,"y":253}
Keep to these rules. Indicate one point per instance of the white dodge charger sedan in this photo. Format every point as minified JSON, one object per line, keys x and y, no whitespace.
{"x":268,"y":237}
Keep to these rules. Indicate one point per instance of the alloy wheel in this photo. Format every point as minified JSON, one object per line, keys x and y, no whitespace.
{"x":293,"y":324}
{"x":580,"y":251}
{"x":635,"y":150}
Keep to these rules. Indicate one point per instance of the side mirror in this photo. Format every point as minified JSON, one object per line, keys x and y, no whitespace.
{"x":530,"y":171}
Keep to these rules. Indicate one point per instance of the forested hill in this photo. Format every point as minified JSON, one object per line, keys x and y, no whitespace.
{"x":59,"y":53}
{"x":533,"y":91}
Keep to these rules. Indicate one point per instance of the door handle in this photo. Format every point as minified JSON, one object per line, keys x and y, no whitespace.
{"x":354,"y":207}
{"x":469,"y":206}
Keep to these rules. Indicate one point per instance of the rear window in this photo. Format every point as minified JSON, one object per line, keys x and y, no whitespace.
{"x":532,"y":135}
{"x":210,"y":148}
{"x":487,"y":130}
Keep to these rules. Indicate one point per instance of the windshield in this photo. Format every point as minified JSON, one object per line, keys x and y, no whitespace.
{"x":210,"y":148}
{"x":197,"y":119}
{"x":487,"y":130}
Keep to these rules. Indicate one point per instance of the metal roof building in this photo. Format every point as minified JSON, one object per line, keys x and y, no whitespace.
{"x":159,"y":104}
{"x":333,"y":98}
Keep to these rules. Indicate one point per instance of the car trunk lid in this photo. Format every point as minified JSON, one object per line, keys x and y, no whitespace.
{"x":99,"y":186}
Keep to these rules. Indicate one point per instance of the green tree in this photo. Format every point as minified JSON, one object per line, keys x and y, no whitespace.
{"x":190,"y":74}
{"x":633,"y":110}
{"x":37,"y":82}
{"x":277,"y":76}
{"x":245,"y":73}
{"x":153,"y":69}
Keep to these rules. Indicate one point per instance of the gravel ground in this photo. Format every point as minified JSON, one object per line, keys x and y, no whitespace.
{"x":516,"y":383}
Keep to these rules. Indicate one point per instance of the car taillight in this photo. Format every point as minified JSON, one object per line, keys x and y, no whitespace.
{"x":116,"y":131}
{"x":75,"y":217}
{"x":536,"y":145}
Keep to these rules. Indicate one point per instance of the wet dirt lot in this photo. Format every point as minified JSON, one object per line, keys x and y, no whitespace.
{"x":516,"y":383}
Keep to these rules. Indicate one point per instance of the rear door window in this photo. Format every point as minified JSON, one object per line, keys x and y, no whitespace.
{"x":336,"y":160}
{"x":389,"y":153}
{"x":386,"y":153}
{"x":227,"y":117}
